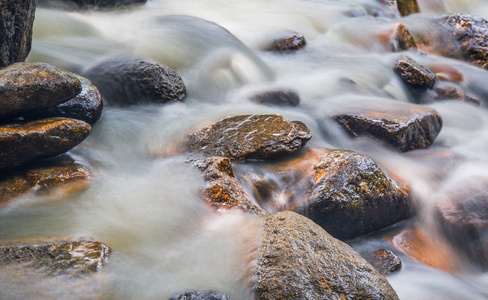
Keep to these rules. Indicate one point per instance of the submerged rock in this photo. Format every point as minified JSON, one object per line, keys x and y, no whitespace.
{"x":349,"y":196}
{"x":16,"y":20}
{"x":86,"y":106}
{"x":299,"y":260}
{"x":23,"y":142}
{"x":403,"y":126}
{"x":200,"y":295}
{"x":384,"y":261}
{"x":73,"y":258}
{"x":106,"y":3}
{"x":287,"y":42}
{"x":31,"y":86}
{"x":222,"y":190}
{"x":124,"y":80}
{"x":277,"y":97}
{"x":413,"y":74}
{"x":250,"y":136}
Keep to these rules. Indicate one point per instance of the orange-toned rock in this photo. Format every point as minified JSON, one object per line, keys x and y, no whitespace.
{"x":447,"y":72}
{"x":448,"y":91}
{"x":425,"y":248}
{"x":407,"y":7}
{"x":413,"y":74}
{"x":24,"y":142}
{"x":287,"y":42}
{"x":396,"y":37}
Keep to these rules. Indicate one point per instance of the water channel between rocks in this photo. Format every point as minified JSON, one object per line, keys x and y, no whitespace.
{"x":144,"y":201}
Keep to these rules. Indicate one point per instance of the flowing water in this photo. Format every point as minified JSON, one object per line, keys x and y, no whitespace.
{"x":144,"y":199}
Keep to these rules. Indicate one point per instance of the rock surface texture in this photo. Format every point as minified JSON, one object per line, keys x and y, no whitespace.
{"x":414,"y":74}
{"x":250,"y":136}
{"x":200,"y":295}
{"x":384,"y":261}
{"x":16,"y":20}
{"x":288,"y":42}
{"x":299,"y":260}
{"x":407,"y":7}
{"x":125,"y":80}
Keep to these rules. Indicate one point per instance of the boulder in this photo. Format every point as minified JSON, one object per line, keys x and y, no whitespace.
{"x":414,"y":74}
{"x":384,"y":261}
{"x":349,"y":196}
{"x":299,"y":260}
{"x":250,"y":137}
{"x":24,"y":142}
{"x":407,"y":7}
{"x":200,"y":295}
{"x":277,"y":97}
{"x":16,"y":20}
{"x":27,"y":87}
{"x":124,"y":80}
{"x":287,"y":42}
{"x":73,"y":258}
{"x":61,"y":172}
{"x":403,"y":126}
{"x":86,"y":106}
{"x":222,"y":190}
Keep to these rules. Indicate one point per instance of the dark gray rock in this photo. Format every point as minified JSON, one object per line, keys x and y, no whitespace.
{"x":276,"y":97}
{"x":384,"y":261}
{"x":287,"y":42}
{"x":107,"y":3}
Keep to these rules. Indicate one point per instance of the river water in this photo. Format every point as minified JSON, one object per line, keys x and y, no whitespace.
{"x":144,"y":199}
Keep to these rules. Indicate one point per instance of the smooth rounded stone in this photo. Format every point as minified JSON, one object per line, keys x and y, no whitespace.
{"x":200,"y":295}
{"x":73,"y":258}
{"x":24,"y":142}
{"x":462,"y":215}
{"x":299,"y":260}
{"x":425,"y":248}
{"x":414,"y":74}
{"x":51,"y":175}
{"x":16,"y":20}
{"x":31,"y":86}
{"x":403,"y":126}
{"x":250,"y":137}
{"x":222,"y":190}
{"x":86,"y":106}
{"x":277,"y":97}
{"x":384,"y":261}
{"x":287,"y":42}
{"x":124,"y":80}
{"x":407,"y":7}
{"x":349,"y":196}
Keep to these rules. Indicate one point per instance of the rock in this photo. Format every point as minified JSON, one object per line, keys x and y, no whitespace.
{"x":472,"y":98}
{"x":445,"y":72}
{"x":396,"y":37}
{"x":448,"y":91}
{"x":73,"y":258}
{"x":425,"y":248}
{"x":125,"y":80}
{"x":384,"y":261}
{"x":299,"y":260}
{"x":462,"y":215}
{"x":407,"y":7}
{"x":23,"y":142}
{"x":30,"y":86}
{"x":250,"y":137}
{"x":87,"y":4}
{"x":265,"y":189}
{"x":222,"y":190}
{"x":61,"y":172}
{"x":434,"y":164}
{"x":413,"y":74}
{"x":200,"y":295}
{"x":349,"y":196}
{"x":403,"y":126}
{"x":277,"y":97}
{"x":86,"y":106}
{"x":16,"y":20}
{"x":287,"y":42}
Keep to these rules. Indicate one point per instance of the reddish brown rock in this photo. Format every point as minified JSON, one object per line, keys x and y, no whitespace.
{"x":407,"y":7}
{"x":299,"y":260}
{"x":384,"y":261}
{"x":413,"y":74}
{"x":447,"y":72}
{"x":396,"y":37}
{"x":222,"y":190}
{"x":24,"y":142}
{"x":287,"y":42}
{"x":250,"y":137}
{"x":448,"y":91}
{"x":401,"y":125}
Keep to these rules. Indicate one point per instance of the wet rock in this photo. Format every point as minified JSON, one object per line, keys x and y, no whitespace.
{"x":125,"y":80}
{"x":86,"y":106}
{"x":446,"y":72}
{"x":51,"y":175}
{"x":299,"y":260}
{"x":434,"y":164}
{"x":250,"y":137}
{"x":384,"y":261}
{"x":401,"y":125}
{"x":265,"y":189}
{"x":448,"y":91}
{"x":200,"y":295}
{"x":73,"y":258}
{"x":86,"y":4}
{"x":396,"y":37}
{"x":287,"y":42}
{"x":425,"y":248}
{"x":31,"y":86}
{"x":407,"y":7}
{"x":349,"y":196}
{"x":413,"y":74}
{"x":16,"y":20}
{"x":277,"y":97}
{"x":222,"y":190}
{"x":23,"y":142}
{"x":472,"y":98}
{"x":463,"y":217}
